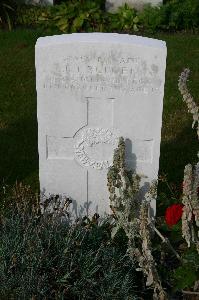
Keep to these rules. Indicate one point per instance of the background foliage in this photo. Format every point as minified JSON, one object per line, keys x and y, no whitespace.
{"x":7,"y":13}
{"x":77,"y":16}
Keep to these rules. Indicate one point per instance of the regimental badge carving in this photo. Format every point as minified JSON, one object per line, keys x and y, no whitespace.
{"x":95,"y":148}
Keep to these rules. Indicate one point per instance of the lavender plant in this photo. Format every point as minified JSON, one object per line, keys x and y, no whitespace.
{"x":42,"y":257}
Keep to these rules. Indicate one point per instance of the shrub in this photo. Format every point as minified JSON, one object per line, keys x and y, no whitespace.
{"x":44,"y":258}
{"x":28,"y":16}
{"x":152,"y":18}
{"x":87,"y":16}
{"x":173,"y":15}
{"x":125,"y":20}
{"x":101,"y":3}
{"x":73,"y":17}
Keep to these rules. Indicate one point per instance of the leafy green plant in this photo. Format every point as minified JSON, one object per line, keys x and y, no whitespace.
{"x":73,"y":17}
{"x":125,"y":20}
{"x":173,"y":15}
{"x":182,"y":15}
{"x":188,"y":272}
{"x":151,"y":18}
{"x":28,"y":16}
{"x":86,"y":16}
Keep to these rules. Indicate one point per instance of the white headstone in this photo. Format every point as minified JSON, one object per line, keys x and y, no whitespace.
{"x":93,"y":88}
{"x":112,"y":5}
{"x":37,"y":2}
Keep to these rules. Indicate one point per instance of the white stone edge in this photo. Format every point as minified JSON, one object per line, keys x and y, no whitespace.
{"x":99,"y":37}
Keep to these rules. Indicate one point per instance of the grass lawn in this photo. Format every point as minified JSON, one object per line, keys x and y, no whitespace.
{"x":18,"y":121}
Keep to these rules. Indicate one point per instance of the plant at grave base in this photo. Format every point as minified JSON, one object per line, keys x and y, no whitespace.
{"x":134,"y":218}
{"x":190,"y":198}
{"x":173,"y":214}
{"x":20,"y":199}
{"x":125,"y":19}
{"x":186,"y":275}
{"x":123,"y":187}
{"x":42,"y":257}
{"x":24,"y":202}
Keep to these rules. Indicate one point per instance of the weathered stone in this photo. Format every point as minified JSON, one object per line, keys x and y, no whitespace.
{"x":91,"y":89}
{"x":37,"y":2}
{"x":112,"y":5}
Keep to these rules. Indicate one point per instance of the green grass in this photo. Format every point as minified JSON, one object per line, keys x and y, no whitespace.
{"x":179,"y":144}
{"x":18,"y":122}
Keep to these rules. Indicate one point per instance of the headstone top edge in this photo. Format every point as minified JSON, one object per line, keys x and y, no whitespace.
{"x":100,"y":37}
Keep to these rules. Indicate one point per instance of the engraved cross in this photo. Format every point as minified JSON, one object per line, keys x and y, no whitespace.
{"x":100,"y":115}
{"x":96,"y":141}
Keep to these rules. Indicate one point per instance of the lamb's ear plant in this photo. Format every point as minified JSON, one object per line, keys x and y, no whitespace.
{"x":190,"y":199}
{"x":133,"y":217}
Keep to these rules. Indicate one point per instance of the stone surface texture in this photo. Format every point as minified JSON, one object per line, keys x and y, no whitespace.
{"x":93,"y":88}
{"x":112,"y":5}
{"x":38,"y":2}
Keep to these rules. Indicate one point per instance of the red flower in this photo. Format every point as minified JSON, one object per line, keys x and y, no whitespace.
{"x":173,"y":214}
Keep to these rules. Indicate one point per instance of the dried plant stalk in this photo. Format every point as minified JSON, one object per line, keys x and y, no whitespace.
{"x":190,"y":199}
{"x":133,"y":217}
{"x":187,"y":98}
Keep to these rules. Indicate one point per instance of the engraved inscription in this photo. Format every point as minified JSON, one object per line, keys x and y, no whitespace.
{"x":106,"y":73}
{"x":87,"y":148}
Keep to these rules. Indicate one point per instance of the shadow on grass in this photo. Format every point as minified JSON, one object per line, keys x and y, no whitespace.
{"x":18,"y":152}
{"x":176,"y":153}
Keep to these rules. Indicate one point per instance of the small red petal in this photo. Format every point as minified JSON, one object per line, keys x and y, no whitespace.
{"x":173,"y":214}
